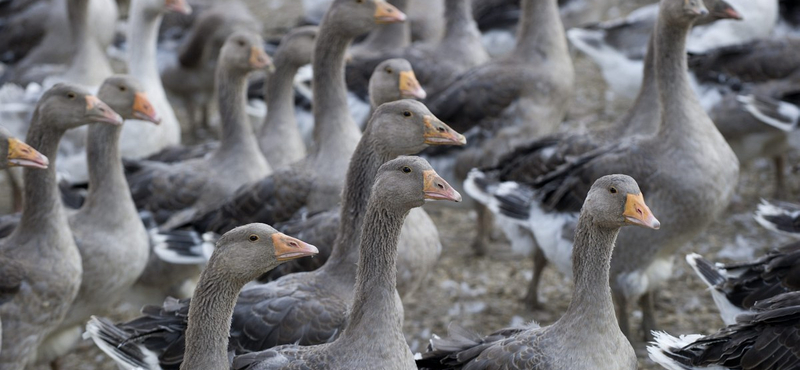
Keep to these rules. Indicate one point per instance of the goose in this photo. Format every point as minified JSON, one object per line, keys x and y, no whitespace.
{"x":780,"y":217}
{"x":140,"y":139}
{"x":385,"y":38}
{"x":175,"y":191}
{"x":641,"y":119}
{"x":190,"y":79}
{"x":42,"y":243}
{"x":436,"y":64}
{"x":13,"y":153}
{"x":763,"y":339}
{"x":335,"y":134}
{"x":279,"y":137}
{"x":60,"y":45}
{"x":307,"y":307}
{"x":373,"y":337}
{"x":587,"y":336}
{"x":541,"y":190}
{"x":240,"y":255}
{"x":111,"y":238}
{"x":525,"y":93}
{"x":737,"y":287}
{"x":618,"y":46}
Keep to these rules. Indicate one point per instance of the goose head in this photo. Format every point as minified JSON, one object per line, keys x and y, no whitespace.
{"x":244,"y":52}
{"x":251,"y":250}
{"x":14,"y":152}
{"x":125,"y":95}
{"x":721,"y":9}
{"x":68,"y":106}
{"x":297,"y":46}
{"x":615,"y":201}
{"x":407,"y":127}
{"x":409,"y":182}
{"x":394,"y":79}
{"x":178,"y":6}
{"x":357,"y":17}
{"x":683,"y":11}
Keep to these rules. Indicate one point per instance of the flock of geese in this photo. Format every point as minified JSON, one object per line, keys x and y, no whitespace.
{"x":111,"y":212}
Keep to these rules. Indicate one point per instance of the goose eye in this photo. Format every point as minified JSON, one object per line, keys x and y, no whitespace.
{"x":253,"y":237}
{"x":406,"y":169}
{"x":71,"y":95}
{"x":122,"y":88}
{"x":359,"y":1}
{"x":240,"y":42}
{"x":389,"y":70}
{"x":613,"y":190}
{"x":407,"y":113}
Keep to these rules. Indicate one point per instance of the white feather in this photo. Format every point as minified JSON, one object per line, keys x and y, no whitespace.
{"x":123,"y":361}
{"x":665,"y":343}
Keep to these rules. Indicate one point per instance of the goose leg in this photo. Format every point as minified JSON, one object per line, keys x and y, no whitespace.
{"x":484,"y":229}
{"x":647,"y":304}
{"x":780,"y":180}
{"x":539,"y":263}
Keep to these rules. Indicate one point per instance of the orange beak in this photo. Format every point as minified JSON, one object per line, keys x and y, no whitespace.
{"x":438,"y":133}
{"x":386,"y":13}
{"x":410,"y":87}
{"x":438,"y":189}
{"x":637,"y":212}
{"x":99,"y":112}
{"x":259,"y":58}
{"x":179,"y":6}
{"x":143,"y":109}
{"x":21,"y":154}
{"x":288,"y":248}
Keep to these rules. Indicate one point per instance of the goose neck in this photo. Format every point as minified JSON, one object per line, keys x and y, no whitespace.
{"x":458,"y":21}
{"x":279,"y":92}
{"x":355,"y":195}
{"x":591,"y":262}
{"x":210,"y":315}
{"x":237,"y":134}
{"x":375,"y":301}
{"x":643,"y":118}
{"x":678,"y":100}
{"x":142,"y":40}
{"x":540,"y":31}
{"x":332,"y":122}
{"x":107,"y":184}
{"x":41,"y":195}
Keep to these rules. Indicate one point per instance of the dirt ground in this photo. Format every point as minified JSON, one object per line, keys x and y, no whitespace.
{"x":484,"y":293}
